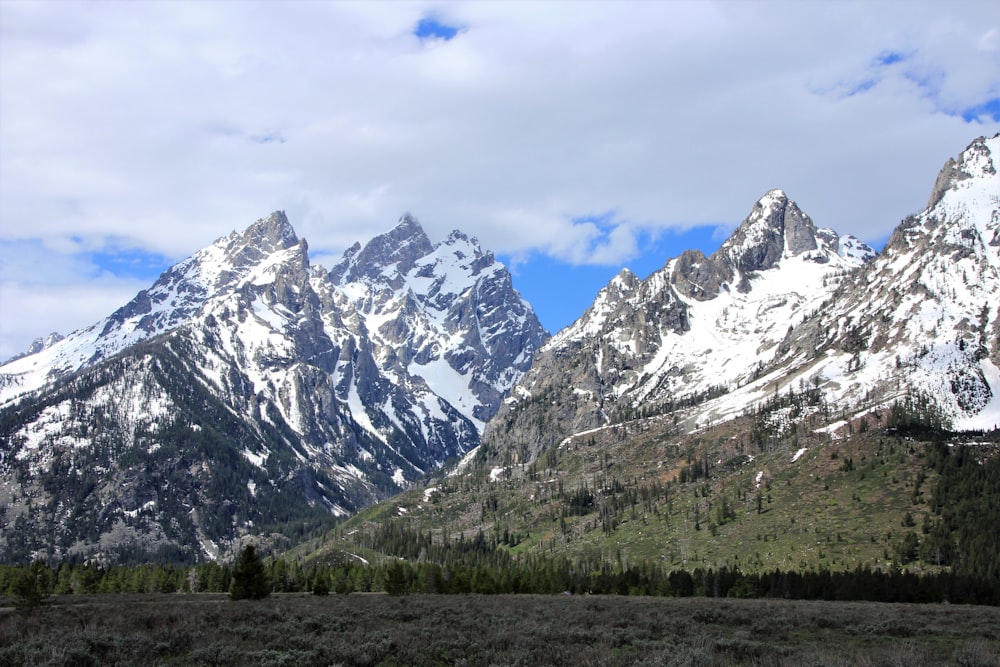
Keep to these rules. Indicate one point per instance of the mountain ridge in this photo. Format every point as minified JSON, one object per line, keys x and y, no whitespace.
{"x":779,"y":304}
{"x":341,"y":393}
{"x":696,"y":327}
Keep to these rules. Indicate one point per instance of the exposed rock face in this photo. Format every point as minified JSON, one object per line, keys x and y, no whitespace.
{"x":245,"y":379}
{"x":698,"y":277}
{"x":396,"y":251}
{"x":776,"y":228}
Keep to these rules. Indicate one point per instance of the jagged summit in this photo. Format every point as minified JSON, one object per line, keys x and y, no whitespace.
{"x":923,"y":315}
{"x":392,"y":253}
{"x":448,"y":310}
{"x":776,"y":228}
{"x":976,"y":161}
{"x":268,"y":234}
{"x":38,"y":345}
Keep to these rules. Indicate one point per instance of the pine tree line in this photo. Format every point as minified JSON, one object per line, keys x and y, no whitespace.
{"x":533,"y":576}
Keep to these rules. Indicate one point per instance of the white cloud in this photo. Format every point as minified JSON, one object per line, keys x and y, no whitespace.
{"x":167,"y":125}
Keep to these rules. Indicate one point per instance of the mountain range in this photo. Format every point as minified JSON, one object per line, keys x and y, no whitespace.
{"x":249,"y":393}
{"x":783,"y":305}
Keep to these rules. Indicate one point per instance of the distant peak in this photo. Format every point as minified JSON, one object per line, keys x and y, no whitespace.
{"x":408,"y":221}
{"x":626,"y":276}
{"x":271,"y":233}
{"x":400,"y":247}
{"x":978,"y":160}
{"x":775,"y":226}
{"x":38,"y":345}
{"x":407,"y":228}
{"x":768,"y":212}
{"x":624,"y":281}
{"x":460,"y":236}
{"x":407,"y":231}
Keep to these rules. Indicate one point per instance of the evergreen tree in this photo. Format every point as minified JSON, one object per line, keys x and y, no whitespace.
{"x":321,"y":584}
{"x":395,"y":578}
{"x":32,"y":588}
{"x":249,"y":579}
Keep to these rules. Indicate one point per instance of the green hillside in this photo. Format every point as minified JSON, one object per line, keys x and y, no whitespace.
{"x":880,"y":493}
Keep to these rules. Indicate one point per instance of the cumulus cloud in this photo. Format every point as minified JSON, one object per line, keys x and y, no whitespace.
{"x":167,"y":125}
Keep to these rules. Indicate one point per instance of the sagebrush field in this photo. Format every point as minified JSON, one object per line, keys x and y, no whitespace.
{"x":374,"y":629}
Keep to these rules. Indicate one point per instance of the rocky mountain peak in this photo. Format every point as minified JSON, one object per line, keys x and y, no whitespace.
{"x":458,"y":236}
{"x":290,"y":389}
{"x":387,"y":257}
{"x":976,"y":161}
{"x":269,"y":234}
{"x":775,"y":221}
{"x":961,"y":214}
{"x":774,"y":199}
{"x":921,"y":315}
{"x":460,"y":243}
{"x":775,"y":228}
{"x":696,"y":328}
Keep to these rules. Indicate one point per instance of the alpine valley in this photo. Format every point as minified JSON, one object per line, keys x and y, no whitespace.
{"x":761,"y":407}
{"x":783,"y":404}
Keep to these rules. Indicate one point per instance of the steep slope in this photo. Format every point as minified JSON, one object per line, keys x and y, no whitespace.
{"x":637,"y":495}
{"x":176,"y":298}
{"x":285,"y":393}
{"x":925,"y":316}
{"x":697,"y":328}
{"x":445,"y":313}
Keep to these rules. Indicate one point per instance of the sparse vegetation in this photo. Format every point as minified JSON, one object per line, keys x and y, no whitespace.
{"x":633,"y":498}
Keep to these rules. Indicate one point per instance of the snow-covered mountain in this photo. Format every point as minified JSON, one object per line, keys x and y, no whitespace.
{"x":924,"y":317}
{"x":783,"y":305}
{"x":698,"y":327}
{"x":282,"y":391}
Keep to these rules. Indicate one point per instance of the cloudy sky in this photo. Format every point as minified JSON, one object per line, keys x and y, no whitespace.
{"x":570,"y":138}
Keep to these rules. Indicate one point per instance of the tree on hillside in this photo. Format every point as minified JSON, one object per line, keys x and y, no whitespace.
{"x":249,"y":578}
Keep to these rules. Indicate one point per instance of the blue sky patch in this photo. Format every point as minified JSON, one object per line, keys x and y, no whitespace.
{"x":890,"y":58}
{"x":130,"y":263}
{"x":430,"y":27}
{"x":989,"y":109}
{"x":20,"y":259}
{"x":862,"y":87}
{"x":560,"y":292}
